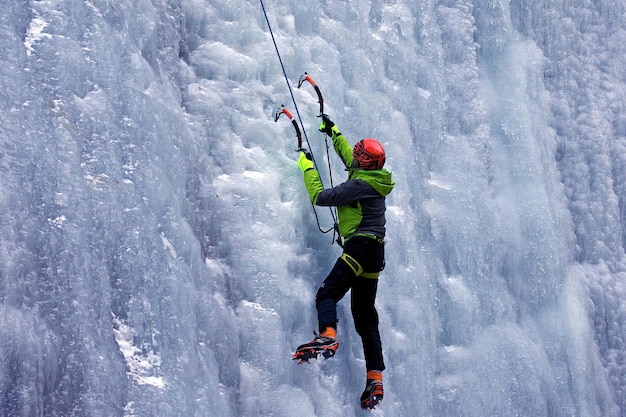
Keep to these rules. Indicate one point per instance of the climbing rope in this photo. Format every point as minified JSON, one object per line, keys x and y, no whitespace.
{"x":282,"y":66}
{"x":334,"y":228}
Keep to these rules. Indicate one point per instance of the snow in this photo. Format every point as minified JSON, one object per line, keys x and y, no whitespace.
{"x":159,"y":255}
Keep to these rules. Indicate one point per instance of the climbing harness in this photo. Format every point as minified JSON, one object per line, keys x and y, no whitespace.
{"x":302,"y":132}
{"x":356,"y":267}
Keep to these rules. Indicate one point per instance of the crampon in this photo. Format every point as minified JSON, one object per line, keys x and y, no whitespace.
{"x":372,"y":395}
{"x":321,"y":345}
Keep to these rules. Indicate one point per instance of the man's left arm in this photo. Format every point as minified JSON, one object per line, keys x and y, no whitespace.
{"x":312,"y":180}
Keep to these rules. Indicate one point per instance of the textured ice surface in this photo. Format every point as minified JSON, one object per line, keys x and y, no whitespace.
{"x":158,"y":252}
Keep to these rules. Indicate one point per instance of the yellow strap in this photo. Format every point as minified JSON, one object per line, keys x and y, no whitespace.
{"x":356,"y":267}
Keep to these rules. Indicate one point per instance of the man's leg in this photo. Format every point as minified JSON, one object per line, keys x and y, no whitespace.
{"x":334,"y":287}
{"x":366,"y":321}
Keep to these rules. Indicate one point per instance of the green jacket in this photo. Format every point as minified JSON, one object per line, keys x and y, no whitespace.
{"x":360,"y":201}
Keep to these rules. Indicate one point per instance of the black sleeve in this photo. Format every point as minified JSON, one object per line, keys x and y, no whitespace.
{"x":346,"y":194}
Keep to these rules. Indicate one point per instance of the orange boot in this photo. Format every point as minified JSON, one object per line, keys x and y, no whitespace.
{"x":325,"y":343}
{"x":373,"y":393}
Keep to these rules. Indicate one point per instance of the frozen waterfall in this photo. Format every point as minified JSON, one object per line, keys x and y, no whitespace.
{"x":159,"y":255}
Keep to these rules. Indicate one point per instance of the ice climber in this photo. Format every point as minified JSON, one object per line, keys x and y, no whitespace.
{"x":360,"y":203}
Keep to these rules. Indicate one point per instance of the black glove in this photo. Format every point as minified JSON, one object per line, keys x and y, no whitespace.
{"x":327,"y":125}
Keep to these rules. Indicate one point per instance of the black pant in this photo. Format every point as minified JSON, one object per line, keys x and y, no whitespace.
{"x":369,"y":253}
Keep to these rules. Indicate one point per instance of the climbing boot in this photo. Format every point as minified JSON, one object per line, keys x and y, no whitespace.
{"x":324,"y":344}
{"x":373,"y":393}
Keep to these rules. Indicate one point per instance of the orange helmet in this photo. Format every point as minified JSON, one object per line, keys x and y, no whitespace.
{"x":368,"y":154}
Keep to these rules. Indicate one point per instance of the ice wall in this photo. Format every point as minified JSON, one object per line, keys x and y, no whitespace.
{"x":159,"y":257}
